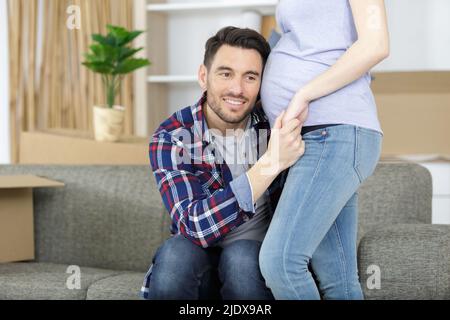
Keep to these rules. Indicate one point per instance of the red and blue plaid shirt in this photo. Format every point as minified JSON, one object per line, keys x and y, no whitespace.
{"x":205,"y":203}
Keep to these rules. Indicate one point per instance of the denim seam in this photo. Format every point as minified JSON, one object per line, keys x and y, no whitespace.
{"x":342,"y":260}
{"x":357,"y":156}
{"x":289,"y":239}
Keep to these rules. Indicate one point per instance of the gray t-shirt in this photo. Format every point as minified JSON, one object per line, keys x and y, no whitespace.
{"x":238,"y":154}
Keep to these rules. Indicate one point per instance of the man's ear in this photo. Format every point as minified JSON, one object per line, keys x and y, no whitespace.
{"x":202,"y":77}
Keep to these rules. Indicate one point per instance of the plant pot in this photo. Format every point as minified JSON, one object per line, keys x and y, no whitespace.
{"x":108,"y":123}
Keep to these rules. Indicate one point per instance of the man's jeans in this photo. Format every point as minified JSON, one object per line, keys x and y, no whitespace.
{"x":315,"y":222}
{"x":184,"y":271}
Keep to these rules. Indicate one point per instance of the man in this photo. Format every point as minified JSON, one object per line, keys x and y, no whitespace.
{"x":217,"y":177}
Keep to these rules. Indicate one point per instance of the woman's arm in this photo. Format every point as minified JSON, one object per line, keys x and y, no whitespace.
{"x":371,"y":48}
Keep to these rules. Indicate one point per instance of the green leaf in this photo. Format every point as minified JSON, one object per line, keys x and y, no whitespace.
{"x":122,"y":35}
{"x":130,"y":65}
{"x":119,"y":34}
{"x":91,"y":58}
{"x":110,"y":55}
{"x":97,"y":53}
{"x":117,"y":31}
{"x":127,"y":52}
{"x":106,"y":41}
{"x":100,"y":67}
{"x":131,"y":36}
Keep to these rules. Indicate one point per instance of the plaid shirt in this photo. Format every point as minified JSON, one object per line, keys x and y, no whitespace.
{"x":205,"y":203}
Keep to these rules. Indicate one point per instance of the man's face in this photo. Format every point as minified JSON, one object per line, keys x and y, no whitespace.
{"x":233,"y":82}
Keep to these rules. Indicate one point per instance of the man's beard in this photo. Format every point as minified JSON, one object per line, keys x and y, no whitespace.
{"x":215,"y":106}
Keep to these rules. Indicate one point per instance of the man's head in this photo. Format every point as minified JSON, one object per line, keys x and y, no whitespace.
{"x":231,"y":73}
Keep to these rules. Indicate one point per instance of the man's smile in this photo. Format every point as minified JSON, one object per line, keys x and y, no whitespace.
{"x":234,"y":103}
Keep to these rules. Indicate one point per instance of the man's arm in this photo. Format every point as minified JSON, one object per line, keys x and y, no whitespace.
{"x":201,"y":218}
{"x":205,"y":219}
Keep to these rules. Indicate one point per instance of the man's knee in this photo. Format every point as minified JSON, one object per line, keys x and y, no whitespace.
{"x":240,"y":258}
{"x":177,"y":252}
{"x":178,"y":268}
{"x":240,"y":273}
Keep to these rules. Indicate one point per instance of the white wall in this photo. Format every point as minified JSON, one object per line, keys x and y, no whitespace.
{"x":420,"y":35}
{"x":188,"y":32}
{"x":419,"y":31}
{"x":5,"y":156}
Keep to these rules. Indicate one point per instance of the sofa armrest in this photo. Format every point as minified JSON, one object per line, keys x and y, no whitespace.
{"x":405,"y":261}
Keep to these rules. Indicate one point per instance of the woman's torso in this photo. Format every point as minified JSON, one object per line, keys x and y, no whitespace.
{"x":315,"y":34}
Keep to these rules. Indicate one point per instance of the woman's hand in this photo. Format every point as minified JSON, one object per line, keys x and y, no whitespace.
{"x":298,"y":109}
{"x":285,"y":148}
{"x":286,"y":145}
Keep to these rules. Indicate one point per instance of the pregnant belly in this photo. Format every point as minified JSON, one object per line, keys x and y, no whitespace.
{"x":283,"y":76}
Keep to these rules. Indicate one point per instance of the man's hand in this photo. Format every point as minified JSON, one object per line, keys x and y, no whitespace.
{"x":286,"y":145}
{"x":285,"y":148}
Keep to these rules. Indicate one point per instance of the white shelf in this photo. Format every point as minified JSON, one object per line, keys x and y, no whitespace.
{"x":172,"y":79}
{"x":265,"y":7}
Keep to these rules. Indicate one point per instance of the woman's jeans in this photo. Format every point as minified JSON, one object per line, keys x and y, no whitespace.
{"x":184,"y":271}
{"x":315,"y":222}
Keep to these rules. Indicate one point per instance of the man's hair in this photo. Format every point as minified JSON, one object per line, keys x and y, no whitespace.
{"x":236,"y":37}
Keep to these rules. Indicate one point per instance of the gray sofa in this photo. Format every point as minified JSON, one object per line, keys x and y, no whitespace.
{"x":109,"y":220}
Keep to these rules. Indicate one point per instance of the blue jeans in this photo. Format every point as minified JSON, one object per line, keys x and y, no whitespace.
{"x":185,"y":271}
{"x":315,"y":222}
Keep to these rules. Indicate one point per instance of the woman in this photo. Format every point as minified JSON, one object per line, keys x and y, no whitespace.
{"x":320,"y":70}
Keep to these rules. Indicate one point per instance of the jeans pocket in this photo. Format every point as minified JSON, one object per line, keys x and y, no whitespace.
{"x":367,"y":152}
{"x":316,"y":135}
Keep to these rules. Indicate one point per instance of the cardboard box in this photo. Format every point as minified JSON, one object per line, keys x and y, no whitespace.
{"x":74,"y":147}
{"x":414,"y":112}
{"x":269,"y":23}
{"x":16,"y":216}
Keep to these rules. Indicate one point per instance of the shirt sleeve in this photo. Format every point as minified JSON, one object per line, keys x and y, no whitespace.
{"x":243,"y":191}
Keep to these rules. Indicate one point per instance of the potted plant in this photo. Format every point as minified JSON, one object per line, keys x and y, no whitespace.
{"x":112,"y":57}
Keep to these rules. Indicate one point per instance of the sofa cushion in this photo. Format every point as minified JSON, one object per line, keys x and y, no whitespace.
{"x":45,"y":281}
{"x":410,"y":261}
{"x":120,"y":287}
{"x":395,"y":193}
